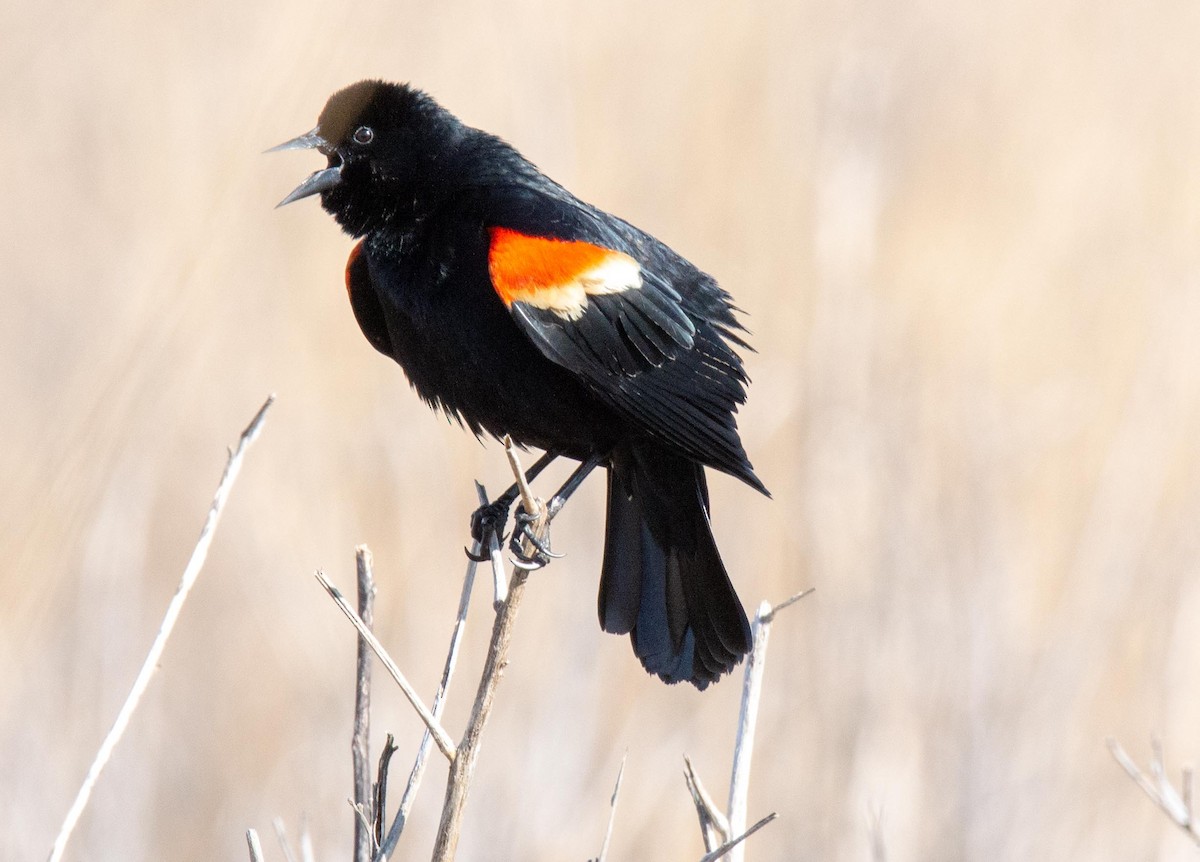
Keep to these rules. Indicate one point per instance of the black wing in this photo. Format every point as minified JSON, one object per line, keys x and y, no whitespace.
{"x":661,"y":353}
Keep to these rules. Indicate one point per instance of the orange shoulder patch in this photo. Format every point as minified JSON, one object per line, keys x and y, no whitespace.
{"x":554,"y":274}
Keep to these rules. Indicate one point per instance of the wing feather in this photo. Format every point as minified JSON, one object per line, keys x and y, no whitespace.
{"x":653,"y":343}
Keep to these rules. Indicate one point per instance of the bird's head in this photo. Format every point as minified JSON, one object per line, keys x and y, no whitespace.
{"x":391,"y":152}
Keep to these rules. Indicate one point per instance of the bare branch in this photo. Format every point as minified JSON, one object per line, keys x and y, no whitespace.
{"x":1175,"y":804}
{"x":439,"y":699}
{"x":360,"y":744}
{"x":1186,"y":781}
{"x":1131,"y":768}
{"x":495,"y":553}
{"x":788,"y":602}
{"x":463,"y":766}
{"x":530,"y":502}
{"x":361,"y":821}
{"x":190,"y":573}
{"x":306,"y":845}
{"x":737,"y":842}
{"x":875,"y":832}
{"x":440,"y":737}
{"x":612,"y":812}
{"x":381,"y":783}
{"x":281,"y":836}
{"x":255,"y":846}
{"x":714,"y":825}
{"x":743,"y":751}
{"x":532,"y":505}
{"x":499,"y":573}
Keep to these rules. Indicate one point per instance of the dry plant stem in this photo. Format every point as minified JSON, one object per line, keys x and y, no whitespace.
{"x":440,"y":737}
{"x":281,"y":835}
{"x":1187,"y":788}
{"x":232,"y":467}
{"x":514,"y":461}
{"x":714,"y":826}
{"x":612,"y":812}
{"x":463,"y":766}
{"x":255,"y":846}
{"x":875,"y":832}
{"x":1176,"y":804}
{"x":360,"y":744}
{"x":737,"y":842}
{"x":439,"y":702}
{"x":499,"y":575}
{"x":531,"y":503}
{"x":360,"y":819}
{"x":385,"y":761}
{"x":743,"y":750}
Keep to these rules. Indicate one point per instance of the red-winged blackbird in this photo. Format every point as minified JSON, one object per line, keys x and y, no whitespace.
{"x":519,"y":309}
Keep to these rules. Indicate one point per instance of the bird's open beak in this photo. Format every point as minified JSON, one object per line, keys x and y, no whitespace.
{"x":320,"y":181}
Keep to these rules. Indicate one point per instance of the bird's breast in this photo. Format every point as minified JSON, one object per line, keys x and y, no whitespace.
{"x":463,"y":353}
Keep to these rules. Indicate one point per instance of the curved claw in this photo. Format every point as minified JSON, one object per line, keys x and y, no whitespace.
{"x":527,"y":565}
{"x":480,"y":558}
{"x":542,"y":554}
{"x":542,"y":547}
{"x":519,"y":556}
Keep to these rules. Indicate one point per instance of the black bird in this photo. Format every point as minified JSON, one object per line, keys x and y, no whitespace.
{"x":519,"y":309}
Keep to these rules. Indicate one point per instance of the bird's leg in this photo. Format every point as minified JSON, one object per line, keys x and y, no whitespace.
{"x":524,"y":520}
{"x":488,"y":522}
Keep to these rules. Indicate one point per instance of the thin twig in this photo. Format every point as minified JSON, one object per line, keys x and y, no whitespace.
{"x":532,"y":505}
{"x":789,"y":601}
{"x":281,"y":836}
{"x":307,"y":854}
{"x":1176,"y":805}
{"x":514,"y":461}
{"x":232,"y":467}
{"x":360,"y":744}
{"x":714,"y":825}
{"x":737,"y":842}
{"x":743,"y":750}
{"x":875,"y":832}
{"x":1132,"y":769}
{"x":463,"y":766}
{"x":381,"y":783}
{"x":495,"y":553}
{"x":1187,"y":792}
{"x":440,"y":737}
{"x":612,"y":811}
{"x":255,"y":846}
{"x":439,"y":699}
{"x":361,"y":821}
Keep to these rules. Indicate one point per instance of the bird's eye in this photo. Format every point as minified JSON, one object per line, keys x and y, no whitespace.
{"x":364,"y":135}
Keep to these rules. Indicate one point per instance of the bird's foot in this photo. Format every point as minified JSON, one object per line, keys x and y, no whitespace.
{"x":487,"y":527}
{"x":525,"y":534}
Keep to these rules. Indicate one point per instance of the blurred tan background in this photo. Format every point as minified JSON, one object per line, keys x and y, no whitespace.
{"x":967,"y":237}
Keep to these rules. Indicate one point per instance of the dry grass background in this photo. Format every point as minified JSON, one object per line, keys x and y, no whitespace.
{"x":968,"y":239}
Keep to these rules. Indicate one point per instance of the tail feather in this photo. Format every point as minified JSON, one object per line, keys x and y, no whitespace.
{"x":663,"y":582}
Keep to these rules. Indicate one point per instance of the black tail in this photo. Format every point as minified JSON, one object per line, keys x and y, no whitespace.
{"x":663,"y":581}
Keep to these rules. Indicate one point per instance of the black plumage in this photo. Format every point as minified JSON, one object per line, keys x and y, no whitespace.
{"x":519,"y":309}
